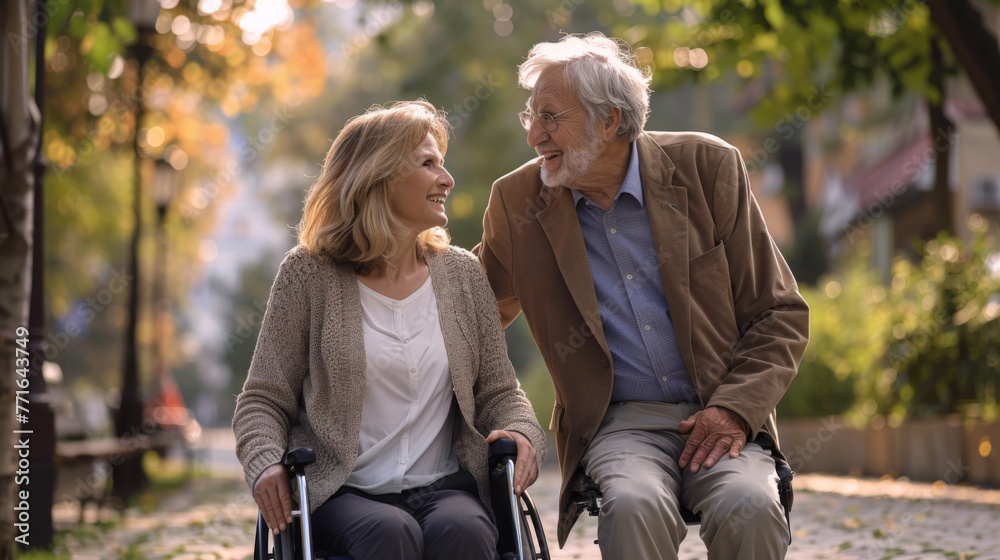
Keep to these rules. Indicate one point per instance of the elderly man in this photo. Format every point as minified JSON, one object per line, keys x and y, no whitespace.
{"x":668,"y":320}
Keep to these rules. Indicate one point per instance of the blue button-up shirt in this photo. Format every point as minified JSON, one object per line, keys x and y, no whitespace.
{"x":630,"y":296}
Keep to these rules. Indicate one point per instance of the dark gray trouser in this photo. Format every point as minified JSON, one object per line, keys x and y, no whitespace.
{"x":434,"y":524}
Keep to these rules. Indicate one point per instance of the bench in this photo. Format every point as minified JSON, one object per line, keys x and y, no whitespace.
{"x":83,"y":467}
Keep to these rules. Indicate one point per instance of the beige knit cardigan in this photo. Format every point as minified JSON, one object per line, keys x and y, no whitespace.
{"x":306,"y":384}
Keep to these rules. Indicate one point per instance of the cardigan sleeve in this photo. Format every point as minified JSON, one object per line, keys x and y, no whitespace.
{"x":268,"y":405}
{"x":500,"y":402}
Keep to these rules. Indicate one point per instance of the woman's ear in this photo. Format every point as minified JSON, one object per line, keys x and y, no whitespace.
{"x":610,"y":126}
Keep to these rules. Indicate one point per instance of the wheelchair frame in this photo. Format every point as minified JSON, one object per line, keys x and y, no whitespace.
{"x":518,"y":538}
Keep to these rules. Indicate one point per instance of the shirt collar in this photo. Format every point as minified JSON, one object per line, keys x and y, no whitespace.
{"x":632,"y":183}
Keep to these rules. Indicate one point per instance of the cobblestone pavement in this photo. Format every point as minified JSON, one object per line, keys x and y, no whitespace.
{"x":838,"y":518}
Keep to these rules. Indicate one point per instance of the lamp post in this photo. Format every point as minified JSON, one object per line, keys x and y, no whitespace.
{"x":165,"y":185}
{"x":127,"y":475}
{"x":42,"y":419}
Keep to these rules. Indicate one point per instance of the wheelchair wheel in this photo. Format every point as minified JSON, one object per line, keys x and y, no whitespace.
{"x":533,"y":542}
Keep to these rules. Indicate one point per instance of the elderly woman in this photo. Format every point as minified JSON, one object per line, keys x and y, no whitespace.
{"x":382,"y":350}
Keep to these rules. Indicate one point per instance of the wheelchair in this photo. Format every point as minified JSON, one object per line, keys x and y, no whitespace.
{"x":518,"y":524}
{"x":586,"y":495}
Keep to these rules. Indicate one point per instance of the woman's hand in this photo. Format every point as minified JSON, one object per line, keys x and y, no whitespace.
{"x":526,"y":467}
{"x":274,"y":497}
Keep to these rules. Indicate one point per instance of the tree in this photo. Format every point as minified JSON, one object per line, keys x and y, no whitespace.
{"x":19,"y":127}
{"x":220,"y":60}
{"x":794,"y":47}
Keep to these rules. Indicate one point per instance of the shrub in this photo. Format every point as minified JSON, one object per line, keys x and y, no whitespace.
{"x":849,"y":314}
{"x":945,"y":333}
{"x":927,"y":344}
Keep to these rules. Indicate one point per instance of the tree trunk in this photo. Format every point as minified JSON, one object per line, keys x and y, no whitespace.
{"x":974,"y":48}
{"x":942,"y":139}
{"x":19,"y":141}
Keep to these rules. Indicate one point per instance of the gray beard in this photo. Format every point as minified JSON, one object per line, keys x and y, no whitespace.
{"x":576,"y":164}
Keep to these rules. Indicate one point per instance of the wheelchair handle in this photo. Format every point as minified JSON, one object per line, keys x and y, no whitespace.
{"x":503,"y":455}
{"x":300,"y":457}
{"x":501,"y":449}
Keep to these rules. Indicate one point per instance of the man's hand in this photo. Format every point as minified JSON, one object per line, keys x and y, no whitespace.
{"x":526,"y":466}
{"x":713,"y":431}
{"x":274,"y":497}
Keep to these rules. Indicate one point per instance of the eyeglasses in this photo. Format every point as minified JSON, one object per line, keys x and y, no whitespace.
{"x":549,"y":123}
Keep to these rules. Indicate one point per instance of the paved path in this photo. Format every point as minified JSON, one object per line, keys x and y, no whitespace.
{"x":834,"y":517}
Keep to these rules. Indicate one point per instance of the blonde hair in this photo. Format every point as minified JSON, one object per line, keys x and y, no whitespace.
{"x":347,"y":215}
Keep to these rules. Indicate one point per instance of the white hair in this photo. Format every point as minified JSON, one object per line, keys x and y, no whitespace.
{"x":603,"y":73}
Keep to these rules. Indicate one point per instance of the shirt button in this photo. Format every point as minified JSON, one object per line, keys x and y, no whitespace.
{"x":413,"y":370}
{"x":629,"y":276}
{"x":613,"y":231}
{"x":664,"y":377}
{"x":406,"y":341}
{"x":647,"y":327}
{"x":414,"y":403}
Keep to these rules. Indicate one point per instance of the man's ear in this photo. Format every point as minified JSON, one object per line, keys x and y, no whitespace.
{"x":610,"y":126}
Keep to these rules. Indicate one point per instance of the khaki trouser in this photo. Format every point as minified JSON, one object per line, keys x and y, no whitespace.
{"x":633,"y":458}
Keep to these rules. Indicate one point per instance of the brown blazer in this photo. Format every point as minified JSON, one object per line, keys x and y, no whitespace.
{"x":740,"y":321}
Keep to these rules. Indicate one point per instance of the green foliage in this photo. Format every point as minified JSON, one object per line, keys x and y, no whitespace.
{"x":924,"y":345}
{"x":943,"y":349}
{"x":849,"y":315}
{"x":36,"y":554}
{"x":797,"y":46}
{"x":807,"y":255}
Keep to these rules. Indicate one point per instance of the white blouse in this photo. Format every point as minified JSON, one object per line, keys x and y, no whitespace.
{"x":407,"y":417}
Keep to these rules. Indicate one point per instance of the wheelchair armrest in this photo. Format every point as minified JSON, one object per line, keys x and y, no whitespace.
{"x":786,"y":495}
{"x":502,"y":449}
{"x":299,"y":458}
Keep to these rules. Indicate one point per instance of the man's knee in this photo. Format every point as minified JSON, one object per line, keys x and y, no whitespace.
{"x":636,"y":520}
{"x":637,"y":501}
{"x":749,"y":509}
